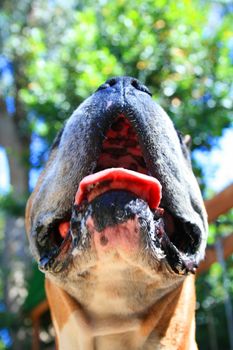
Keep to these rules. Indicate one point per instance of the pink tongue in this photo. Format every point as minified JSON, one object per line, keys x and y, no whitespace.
{"x":144,"y":186}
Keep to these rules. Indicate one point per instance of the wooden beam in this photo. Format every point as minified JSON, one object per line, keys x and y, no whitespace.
{"x":36,"y":334}
{"x":211,"y":254}
{"x":216,"y":206}
{"x":219,"y":204}
{"x":35,"y":315}
{"x":39,"y":310}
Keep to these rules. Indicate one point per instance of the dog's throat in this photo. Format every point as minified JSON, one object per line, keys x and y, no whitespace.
{"x":121,"y":148}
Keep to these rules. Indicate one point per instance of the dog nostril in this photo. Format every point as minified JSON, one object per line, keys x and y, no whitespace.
{"x":137,"y":85}
{"x":103,"y":86}
{"x":109,"y":83}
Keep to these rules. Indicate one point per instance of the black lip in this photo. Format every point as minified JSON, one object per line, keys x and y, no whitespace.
{"x":57,"y":258}
{"x":161,"y":150}
{"x":126,"y":206}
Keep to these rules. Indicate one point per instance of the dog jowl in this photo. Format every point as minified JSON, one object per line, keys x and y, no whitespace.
{"x":117,"y":224}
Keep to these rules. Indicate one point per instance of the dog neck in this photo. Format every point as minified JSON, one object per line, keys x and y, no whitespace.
{"x":167,"y":324}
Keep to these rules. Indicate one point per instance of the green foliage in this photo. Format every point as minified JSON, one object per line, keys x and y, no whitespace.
{"x":211,"y":318}
{"x":1,"y":250}
{"x":62,"y":51}
{"x":213,"y":288}
{"x":222,"y":227}
{"x":2,"y":346}
{"x":67,"y":52}
{"x":35,"y":288}
{"x":9,"y":204}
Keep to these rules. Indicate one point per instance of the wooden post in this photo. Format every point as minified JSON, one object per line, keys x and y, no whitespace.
{"x":36,"y":314}
{"x":36,"y":333}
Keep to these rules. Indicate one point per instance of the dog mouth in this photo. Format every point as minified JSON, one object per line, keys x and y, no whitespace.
{"x":122,"y":168}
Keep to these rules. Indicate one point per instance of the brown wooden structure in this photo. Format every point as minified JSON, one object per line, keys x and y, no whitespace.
{"x":219,"y":204}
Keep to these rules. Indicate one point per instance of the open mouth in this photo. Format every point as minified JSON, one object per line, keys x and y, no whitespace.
{"x":121,"y":166}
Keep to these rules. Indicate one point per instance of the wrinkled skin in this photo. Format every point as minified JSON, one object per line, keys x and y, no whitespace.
{"x":122,"y":265}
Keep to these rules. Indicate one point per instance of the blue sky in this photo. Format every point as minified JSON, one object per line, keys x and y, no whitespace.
{"x":217,"y":165}
{"x":4,"y":172}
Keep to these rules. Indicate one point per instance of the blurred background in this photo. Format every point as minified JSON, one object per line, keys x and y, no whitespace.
{"x":53,"y":54}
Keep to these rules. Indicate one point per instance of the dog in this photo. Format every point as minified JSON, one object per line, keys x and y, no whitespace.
{"x":118,"y":225}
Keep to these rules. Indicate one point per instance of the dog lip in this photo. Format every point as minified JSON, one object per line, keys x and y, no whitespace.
{"x":144,"y":186}
{"x":179,"y":262}
{"x":58,"y":256}
{"x":53,"y":260}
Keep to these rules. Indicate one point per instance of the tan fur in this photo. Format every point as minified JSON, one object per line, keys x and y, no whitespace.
{"x":168,"y":324}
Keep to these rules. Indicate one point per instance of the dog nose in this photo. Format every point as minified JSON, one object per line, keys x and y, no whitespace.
{"x":121,"y":83}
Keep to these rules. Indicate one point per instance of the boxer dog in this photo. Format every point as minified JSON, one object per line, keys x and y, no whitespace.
{"x":118,"y":225}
